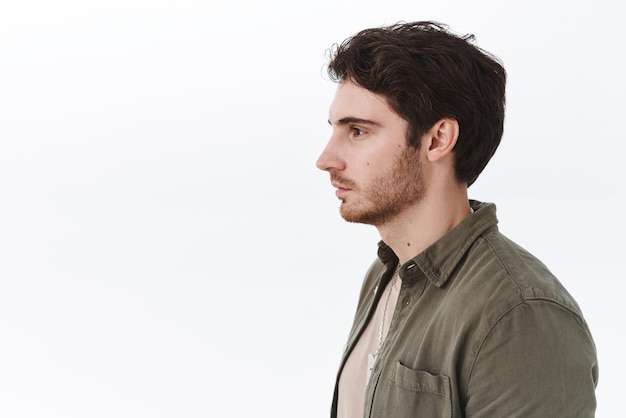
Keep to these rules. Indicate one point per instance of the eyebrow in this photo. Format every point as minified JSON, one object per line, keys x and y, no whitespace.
{"x":350,"y":119}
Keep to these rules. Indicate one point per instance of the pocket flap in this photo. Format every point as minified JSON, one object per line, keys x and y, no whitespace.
{"x":421,"y":381}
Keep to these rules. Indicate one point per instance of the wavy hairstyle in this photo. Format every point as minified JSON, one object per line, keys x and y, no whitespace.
{"x":426,"y":73}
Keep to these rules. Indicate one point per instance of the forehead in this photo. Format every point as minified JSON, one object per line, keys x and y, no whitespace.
{"x":352,"y":100}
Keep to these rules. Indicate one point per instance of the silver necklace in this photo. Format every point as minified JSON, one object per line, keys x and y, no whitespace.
{"x":371,"y":358}
{"x":382,"y":322}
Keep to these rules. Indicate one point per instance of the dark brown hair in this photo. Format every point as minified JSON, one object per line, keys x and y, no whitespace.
{"x":427,"y":73}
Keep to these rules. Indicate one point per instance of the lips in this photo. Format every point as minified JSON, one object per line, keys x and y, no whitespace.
{"x":342,"y":184}
{"x":339,"y":186}
{"x":342,"y":190}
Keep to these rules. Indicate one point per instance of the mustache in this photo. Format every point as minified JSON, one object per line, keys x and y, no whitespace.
{"x":345,"y":182}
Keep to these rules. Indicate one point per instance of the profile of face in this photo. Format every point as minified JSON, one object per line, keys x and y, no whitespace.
{"x":376,"y":173}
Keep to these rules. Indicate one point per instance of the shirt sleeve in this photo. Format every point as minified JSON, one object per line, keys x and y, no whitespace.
{"x":539,"y":360}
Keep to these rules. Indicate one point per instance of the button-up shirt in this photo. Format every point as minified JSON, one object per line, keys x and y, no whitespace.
{"x":481,"y":329}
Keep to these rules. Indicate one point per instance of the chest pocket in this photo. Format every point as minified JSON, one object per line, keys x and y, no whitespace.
{"x":412,"y":393}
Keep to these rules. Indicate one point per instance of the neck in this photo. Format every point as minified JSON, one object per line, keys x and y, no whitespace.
{"x":420,"y":225}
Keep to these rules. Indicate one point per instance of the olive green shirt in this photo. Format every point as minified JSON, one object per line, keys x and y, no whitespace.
{"x":481,"y":329}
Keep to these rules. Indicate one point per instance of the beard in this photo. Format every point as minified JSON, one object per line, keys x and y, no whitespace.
{"x":388,"y":195}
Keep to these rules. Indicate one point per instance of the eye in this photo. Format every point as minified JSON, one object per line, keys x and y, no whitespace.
{"x":356,"y":131}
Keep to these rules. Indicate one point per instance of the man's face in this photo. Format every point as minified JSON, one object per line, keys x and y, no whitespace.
{"x":376,"y":173}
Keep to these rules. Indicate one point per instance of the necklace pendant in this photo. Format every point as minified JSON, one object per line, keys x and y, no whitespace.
{"x":371,"y":360}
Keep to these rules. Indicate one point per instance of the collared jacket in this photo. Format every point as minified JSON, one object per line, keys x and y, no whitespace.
{"x":481,"y":329}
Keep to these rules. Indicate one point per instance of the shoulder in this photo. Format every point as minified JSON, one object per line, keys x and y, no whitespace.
{"x":521,"y":274}
{"x":533,"y":354}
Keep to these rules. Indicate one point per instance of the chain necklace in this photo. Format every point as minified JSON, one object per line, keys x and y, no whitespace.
{"x":371,"y":358}
{"x":382,"y":322}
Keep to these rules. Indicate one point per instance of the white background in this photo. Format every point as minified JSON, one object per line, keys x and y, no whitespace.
{"x":167,"y":246}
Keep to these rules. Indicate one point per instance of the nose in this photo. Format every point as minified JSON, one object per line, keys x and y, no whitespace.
{"x":330,"y":158}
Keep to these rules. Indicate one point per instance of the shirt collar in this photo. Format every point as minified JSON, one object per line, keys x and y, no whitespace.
{"x":438,"y":261}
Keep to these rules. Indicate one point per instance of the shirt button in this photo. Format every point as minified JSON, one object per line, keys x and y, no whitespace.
{"x":407,"y":300}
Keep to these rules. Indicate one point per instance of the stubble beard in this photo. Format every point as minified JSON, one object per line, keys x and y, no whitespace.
{"x":389,"y":195}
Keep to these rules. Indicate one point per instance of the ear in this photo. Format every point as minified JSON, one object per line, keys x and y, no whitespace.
{"x":441,"y":139}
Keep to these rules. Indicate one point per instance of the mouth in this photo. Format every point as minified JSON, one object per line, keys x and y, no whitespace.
{"x":341,"y":190}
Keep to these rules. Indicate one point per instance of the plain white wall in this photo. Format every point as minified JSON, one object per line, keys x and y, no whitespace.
{"x":167,"y":247}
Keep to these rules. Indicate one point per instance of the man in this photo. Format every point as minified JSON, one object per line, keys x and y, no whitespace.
{"x":453,"y":319}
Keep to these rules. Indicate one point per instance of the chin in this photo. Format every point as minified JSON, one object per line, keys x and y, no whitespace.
{"x":362,"y":216}
{"x":350,"y":214}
